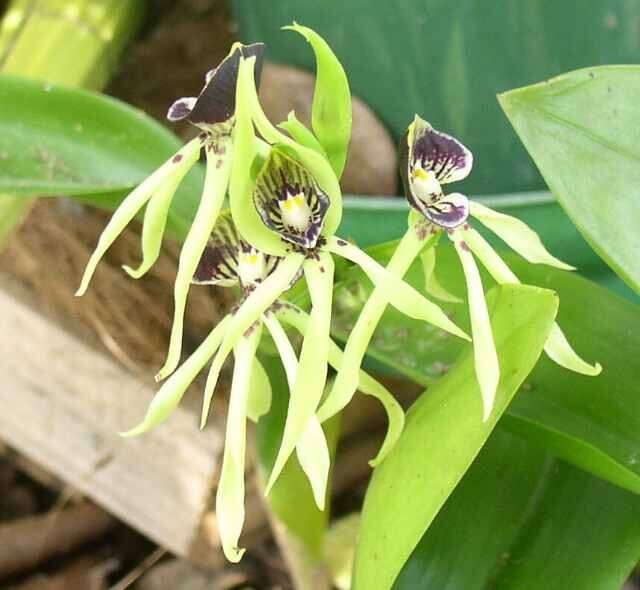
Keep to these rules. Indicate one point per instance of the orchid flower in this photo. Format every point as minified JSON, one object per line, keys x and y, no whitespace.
{"x":213,"y":112}
{"x":428,"y":160}
{"x":229,"y":261}
{"x":296,"y":210}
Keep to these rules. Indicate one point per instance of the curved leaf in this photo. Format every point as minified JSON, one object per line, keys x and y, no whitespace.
{"x":542,"y":517}
{"x":443,"y":434}
{"x":56,"y":140}
{"x":581,"y":130}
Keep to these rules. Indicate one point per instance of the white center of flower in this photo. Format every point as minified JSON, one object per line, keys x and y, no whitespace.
{"x":296,"y":213}
{"x":424,"y":183}
{"x":252,"y":267}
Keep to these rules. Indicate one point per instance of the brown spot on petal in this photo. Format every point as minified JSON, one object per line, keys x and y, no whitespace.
{"x":177,"y":158}
{"x":467,"y":226}
{"x":464,"y":246}
{"x":341,"y":243}
{"x":218,"y":163}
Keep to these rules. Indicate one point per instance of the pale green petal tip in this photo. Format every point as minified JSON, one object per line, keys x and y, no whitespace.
{"x":560,"y":352}
{"x":233,"y":554}
{"x":137,"y":273}
{"x":136,"y":431}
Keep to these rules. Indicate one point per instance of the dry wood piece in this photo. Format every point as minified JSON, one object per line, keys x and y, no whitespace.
{"x":27,"y":542}
{"x":68,"y":403}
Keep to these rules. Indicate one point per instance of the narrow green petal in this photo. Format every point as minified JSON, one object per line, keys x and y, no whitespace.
{"x":247,"y":148}
{"x":299,"y":319}
{"x":431,"y":284}
{"x":251,"y":310}
{"x":316,"y":163}
{"x":300,"y":133}
{"x":484,"y":348}
{"x":215,"y":187}
{"x":557,"y":346}
{"x":128,"y":209}
{"x":559,"y":351}
{"x":313,"y":454}
{"x":490,"y":259}
{"x":312,"y":449}
{"x":171,"y":392}
{"x":331,"y":111}
{"x":230,"y":495}
{"x":284,"y":347}
{"x":346,"y":381}
{"x":260,"y":393}
{"x":312,"y":369}
{"x":398,"y":293}
{"x":518,"y":235}
{"x":155,"y":222}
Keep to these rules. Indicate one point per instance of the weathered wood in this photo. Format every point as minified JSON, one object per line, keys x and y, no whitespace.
{"x":63,"y":404}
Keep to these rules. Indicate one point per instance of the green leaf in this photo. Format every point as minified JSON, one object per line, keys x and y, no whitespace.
{"x":61,"y":141}
{"x":581,"y":131}
{"x":331,"y":110}
{"x":593,"y":423}
{"x":530,"y":515}
{"x":443,"y":434}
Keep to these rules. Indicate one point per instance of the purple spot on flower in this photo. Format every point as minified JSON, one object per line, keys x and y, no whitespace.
{"x":177,"y":158}
{"x":341,"y":243}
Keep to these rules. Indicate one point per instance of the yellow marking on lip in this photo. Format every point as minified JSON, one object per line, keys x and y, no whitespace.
{"x":252,"y":258}
{"x":420,"y":173}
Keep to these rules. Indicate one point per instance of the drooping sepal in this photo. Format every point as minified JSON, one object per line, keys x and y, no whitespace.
{"x":289,"y":200}
{"x":517,"y":235}
{"x":484,"y":348}
{"x":230,"y":511}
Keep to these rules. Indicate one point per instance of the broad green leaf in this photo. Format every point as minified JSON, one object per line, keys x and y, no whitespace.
{"x":61,"y":141}
{"x":331,"y":110}
{"x":533,"y":518}
{"x":443,"y":434}
{"x":591,"y":422}
{"x":581,"y":130}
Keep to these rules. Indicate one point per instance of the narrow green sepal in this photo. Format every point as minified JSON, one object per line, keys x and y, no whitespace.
{"x":484,"y":349}
{"x":130,"y":206}
{"x":215,"y":188}
{"x":172,"y":391}
{"x":230,"y":496}
{"x":331,"y":115}
{"x":312,"y":368}
{"x":396,"y":291}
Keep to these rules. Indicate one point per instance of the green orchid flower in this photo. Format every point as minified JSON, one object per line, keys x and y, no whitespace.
{"x":288,"y":204}
{"x":229,"y":261}
{"x":428,"y":160}
{"x":213,"y":112}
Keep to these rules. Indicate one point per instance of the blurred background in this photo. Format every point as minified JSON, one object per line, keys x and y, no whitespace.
{"x":71,"y":514}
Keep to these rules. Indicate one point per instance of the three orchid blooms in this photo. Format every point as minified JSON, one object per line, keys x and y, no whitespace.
{"x":284,"y":209}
